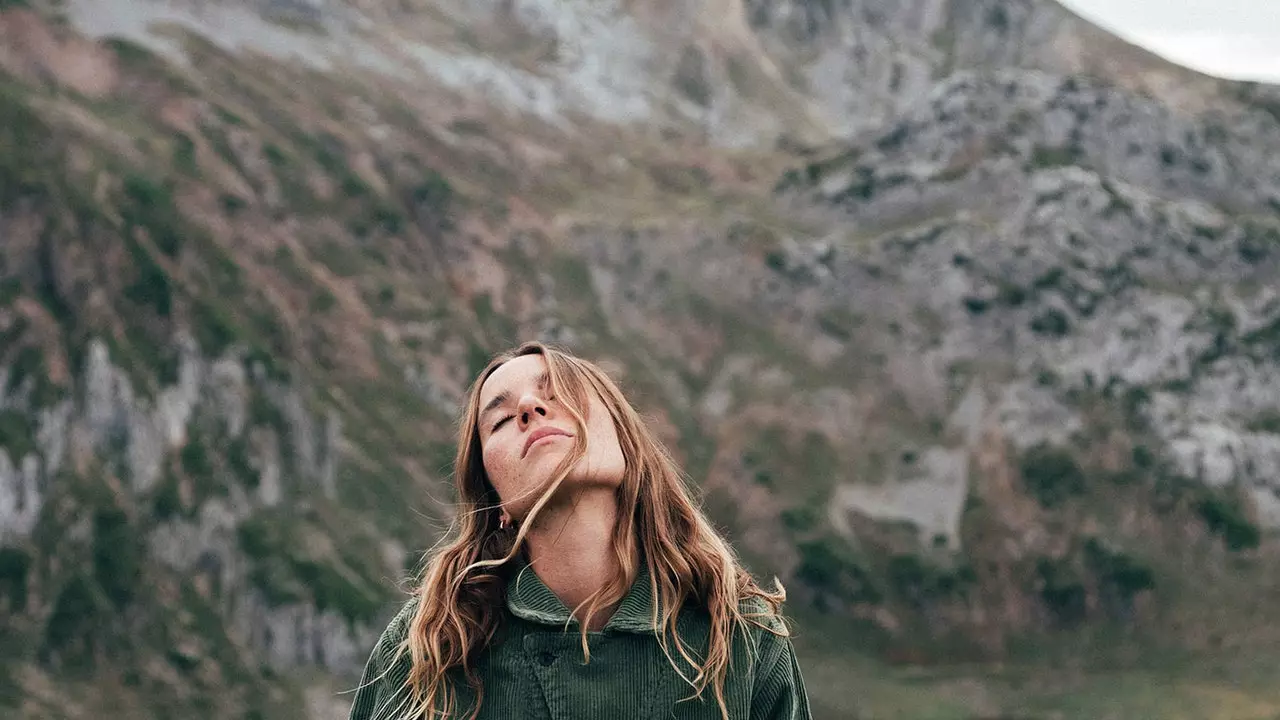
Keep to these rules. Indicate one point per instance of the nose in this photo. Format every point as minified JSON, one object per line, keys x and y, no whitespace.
{"x":530,"y":406}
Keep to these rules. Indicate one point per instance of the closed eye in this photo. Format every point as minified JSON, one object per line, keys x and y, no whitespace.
{"x":501,"y":422}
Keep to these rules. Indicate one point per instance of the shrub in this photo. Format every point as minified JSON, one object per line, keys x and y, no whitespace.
{"x":15,"y":565}
{"x":1061,"y":590}
{"x":1047,"y":157}
{"x":10,"y":289}
{"x":1225,"y":516}
{"x":334,"y":591}
{"x":975,"y":305}
{"x":1118,"y":572}
{"x":117,"y":556}
{"x":800,"y":519}
{"x":151,"y":206}
{"x":828,"y":567}
{"x":1051,"y":475}
{"x":151,"y":286}
{"x":184,"y":154}
{"x":72,"y":626}
{"x":195,"y":458}
{"x":837,"y":322}
{"x":434,"y":192}
{"x":1051,"y":322}
{"x":26,"y":149}
{"x":166,"y":501}
{"x":213,"y":327}
{"x":1267,"y":421}
{"x":919,"y":582}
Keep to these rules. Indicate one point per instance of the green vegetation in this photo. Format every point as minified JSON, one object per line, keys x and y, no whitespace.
{"x":117,"y":556}
{"x":812,"y":461}
{"x":16,"y":434}
{"x":15,"y":569}
{"x":801,"y":519}
{"x":286,"y":570}
{"x":213,"y":327}
{"x":1258,"y":242}
{"x":195,"y":458}
{"x":919,"y":582}
{"x":691,"y":76}
{"x":152,"y":287}
{"x":75,"y":624}
{"x":1051,"y":157}
{"x":832,"y":569}
{"x":150,"y":206}
{"x":231,"y":204}
{"x":1118,"y":574}
{"x":1224,"y":515}
{"x":140,"y":62}
{"x":1267,"y":421}
{"x":1051,"y":475}
{"x":27,"y":150}
{"x":184,"y":155}
{"x":495,"y":325}
{"x":1062,"y":590}
{"x":166,"y":499}
{"x":863,"y":185}
{"x":10,"y":289}
{"x":1052,"y":322}
{"x":838,"y":322}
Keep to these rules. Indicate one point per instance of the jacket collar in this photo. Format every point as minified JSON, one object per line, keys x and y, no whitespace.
{"x":530,"y":599}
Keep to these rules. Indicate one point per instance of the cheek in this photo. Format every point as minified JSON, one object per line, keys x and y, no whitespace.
{"x":603,"y":437}
{"x":496,"y":466}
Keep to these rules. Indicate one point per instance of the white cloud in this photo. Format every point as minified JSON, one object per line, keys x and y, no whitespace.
{"x":1239,"y":39}
{"x":1234,"y":56}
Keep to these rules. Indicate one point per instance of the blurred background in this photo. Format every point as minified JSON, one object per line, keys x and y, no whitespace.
{"x":962,"y":314}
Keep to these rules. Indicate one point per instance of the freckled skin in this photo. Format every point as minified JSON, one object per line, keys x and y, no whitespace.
{"x":519,"y":480}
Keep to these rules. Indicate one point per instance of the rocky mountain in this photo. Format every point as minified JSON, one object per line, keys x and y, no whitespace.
{"x":961,"y":313}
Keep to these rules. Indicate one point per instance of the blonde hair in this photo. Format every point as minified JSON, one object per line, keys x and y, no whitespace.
{"x":461,"y":591}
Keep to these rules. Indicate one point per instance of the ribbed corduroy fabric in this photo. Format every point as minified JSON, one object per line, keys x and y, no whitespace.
{"x":535,"y":668}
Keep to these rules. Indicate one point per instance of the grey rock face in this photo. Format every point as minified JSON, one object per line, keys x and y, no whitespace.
{"x":109,"y":420}
{"x":299,"y":635}
{"x":1083,"y":234}
{"x":866,"y":62}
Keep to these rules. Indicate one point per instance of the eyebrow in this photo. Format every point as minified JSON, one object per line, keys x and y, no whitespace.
{"x":505,"y":396}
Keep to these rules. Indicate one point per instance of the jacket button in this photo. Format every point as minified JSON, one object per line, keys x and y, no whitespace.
{"x":545,"y":658}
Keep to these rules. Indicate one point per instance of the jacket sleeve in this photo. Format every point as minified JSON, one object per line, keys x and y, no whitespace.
{"x":383,"y":692}
{"x":779,"y":692}
{"x":372,"y":687}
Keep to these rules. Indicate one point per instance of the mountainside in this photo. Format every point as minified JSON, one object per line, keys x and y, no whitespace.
{"x":961,"y":313}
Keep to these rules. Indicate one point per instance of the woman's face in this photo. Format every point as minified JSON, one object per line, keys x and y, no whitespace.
{"x":525,"y":434}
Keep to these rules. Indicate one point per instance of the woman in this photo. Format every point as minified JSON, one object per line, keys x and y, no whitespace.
{"x":573,"y":517}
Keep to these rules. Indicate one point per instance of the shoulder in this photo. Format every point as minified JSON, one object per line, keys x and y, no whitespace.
{"x":766,"y":629}
{"x":396,"y":630}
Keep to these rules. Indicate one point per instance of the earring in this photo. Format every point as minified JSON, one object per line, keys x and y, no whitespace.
{"x":504,"y":521}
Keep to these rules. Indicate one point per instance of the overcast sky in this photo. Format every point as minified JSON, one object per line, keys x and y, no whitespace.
{"x":1238,"y":39}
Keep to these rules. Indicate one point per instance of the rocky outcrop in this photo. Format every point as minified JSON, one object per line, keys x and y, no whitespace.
{"x":140,"y":437}
{"x":1072,"y":231}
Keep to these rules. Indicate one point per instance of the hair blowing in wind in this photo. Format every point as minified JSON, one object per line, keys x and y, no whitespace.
{"x":659,"y":523}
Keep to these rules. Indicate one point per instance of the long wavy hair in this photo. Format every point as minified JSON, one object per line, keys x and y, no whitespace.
{"x":461,"y":593}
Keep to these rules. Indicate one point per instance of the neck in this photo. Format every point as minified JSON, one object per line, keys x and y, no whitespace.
{"x":571,"y":548}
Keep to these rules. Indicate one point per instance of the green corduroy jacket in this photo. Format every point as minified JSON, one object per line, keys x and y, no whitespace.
{"x":534,"y":668}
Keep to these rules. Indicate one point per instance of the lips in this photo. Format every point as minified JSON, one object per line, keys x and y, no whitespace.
{"x":538,"y":434}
